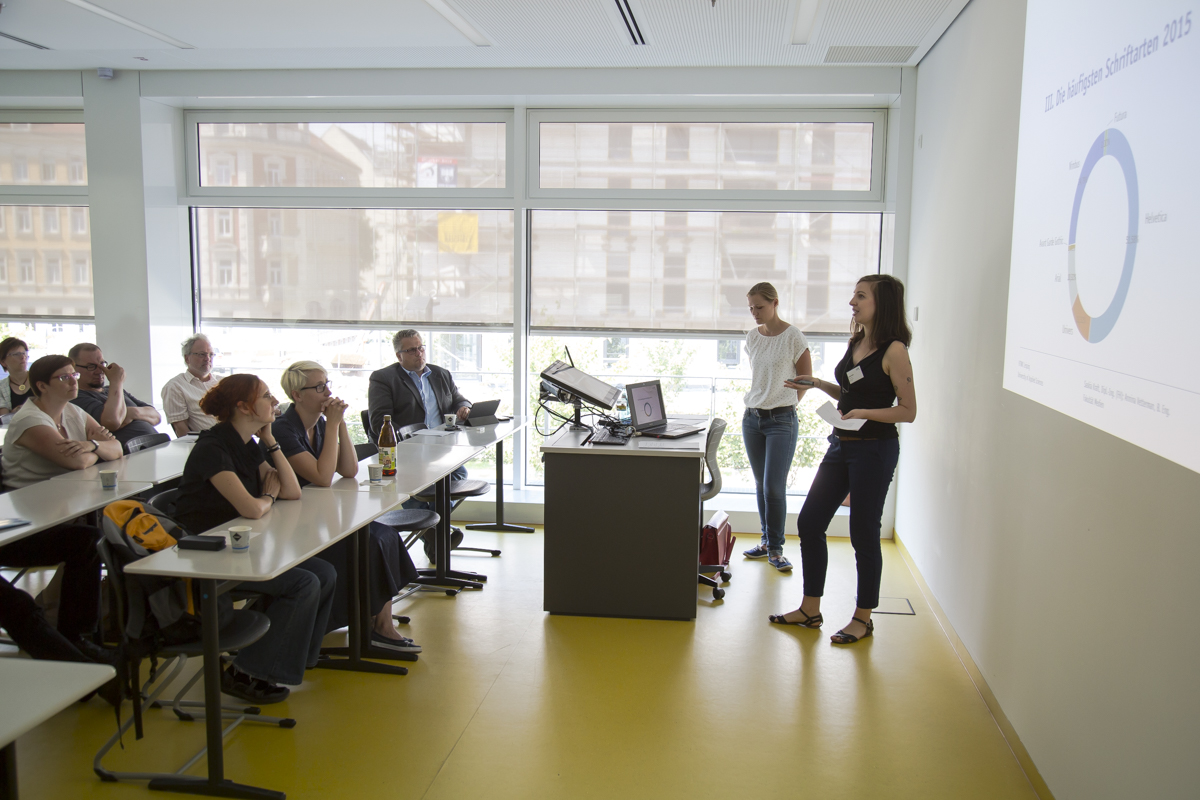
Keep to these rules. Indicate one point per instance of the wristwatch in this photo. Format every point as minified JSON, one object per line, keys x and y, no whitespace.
{"x":95,"y":445}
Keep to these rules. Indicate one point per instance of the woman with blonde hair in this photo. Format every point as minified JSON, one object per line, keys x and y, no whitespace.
{"x":778,"y":351}
{"x":316,"y":442}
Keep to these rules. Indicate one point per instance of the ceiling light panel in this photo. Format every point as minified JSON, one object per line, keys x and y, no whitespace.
{"x":61,"y":26}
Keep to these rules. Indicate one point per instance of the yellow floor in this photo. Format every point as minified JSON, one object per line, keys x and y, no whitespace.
{"x":509,"y":702}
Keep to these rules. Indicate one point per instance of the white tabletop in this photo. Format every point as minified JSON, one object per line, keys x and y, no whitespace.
{"x":484,"y":436}
{"x":567,"y":441}
{"x":49,"y":503}
{"x":418,"y":465}
{"x":293,"y":531}
{"x":153,"y":465}
{"x":32,"y":692}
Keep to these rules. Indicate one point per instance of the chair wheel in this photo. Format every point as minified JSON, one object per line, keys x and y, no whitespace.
{"x":403,"y":620}
{"x":718,"y":594}
{"x":450,"y":593}
{"x":725,"y":576}
{"x":287,"y":723}
{"x":495,"y":553}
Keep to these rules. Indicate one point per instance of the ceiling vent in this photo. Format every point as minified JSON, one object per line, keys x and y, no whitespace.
{"x":628,"y":25}
{"x":872,"y":54}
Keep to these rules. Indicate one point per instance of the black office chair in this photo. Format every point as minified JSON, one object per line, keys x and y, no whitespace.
{"x":366,"y":421}
{"x":130,"y":603}
{"x":460,"y":490}
{"x":143,"y":442}
{"x":708,"y":491}
{"x":165,"y":502}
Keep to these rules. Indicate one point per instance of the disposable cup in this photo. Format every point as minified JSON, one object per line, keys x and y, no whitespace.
{"x":376,"y":472}
{"x":108,"y":478}
{"x":239,"y":538}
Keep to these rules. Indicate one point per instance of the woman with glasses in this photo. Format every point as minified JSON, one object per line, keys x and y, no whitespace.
{"x":14,"y":388}
{"x":50,"y":435}
{"x":316,"y":441}
{"x":228,"y":475}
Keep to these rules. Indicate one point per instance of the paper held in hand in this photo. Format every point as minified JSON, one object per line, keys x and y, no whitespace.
{"x":830,"y":414}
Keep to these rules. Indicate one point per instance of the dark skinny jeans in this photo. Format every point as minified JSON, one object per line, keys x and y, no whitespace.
{"x":864,"y":469}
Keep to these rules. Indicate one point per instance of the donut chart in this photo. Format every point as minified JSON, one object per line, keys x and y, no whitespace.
{"x":1109,"y":143}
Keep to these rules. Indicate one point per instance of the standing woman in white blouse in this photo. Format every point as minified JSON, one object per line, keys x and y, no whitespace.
{"x":778,"y":352}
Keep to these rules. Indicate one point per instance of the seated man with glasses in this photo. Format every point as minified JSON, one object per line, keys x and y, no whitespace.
{"x":181,"y":395}
{"x":413,"y":391}
{"x":113,"y":407}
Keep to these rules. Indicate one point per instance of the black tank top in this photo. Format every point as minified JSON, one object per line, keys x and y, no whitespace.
{"x":873,"y":390}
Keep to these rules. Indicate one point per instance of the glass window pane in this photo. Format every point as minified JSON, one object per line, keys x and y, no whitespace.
{"x":690,"y":270}
{"x":762,"y":156}
{"x":42,"y":154}
{"x":44,"y":263}
{"x":357,"y":265}
{"x":409,"y":155}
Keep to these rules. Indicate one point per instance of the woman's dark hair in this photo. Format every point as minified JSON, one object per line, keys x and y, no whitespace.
{"x":42,"y":370}
{"x":891,"y":322}
{"x":221,"y":400}
{"x":10,"y":344}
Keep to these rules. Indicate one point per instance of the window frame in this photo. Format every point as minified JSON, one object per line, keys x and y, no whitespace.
{"x":355,"y":196}
{"x":724,"y":199}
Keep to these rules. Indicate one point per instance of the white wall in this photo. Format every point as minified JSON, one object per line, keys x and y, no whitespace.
{"x":1065,"y":558}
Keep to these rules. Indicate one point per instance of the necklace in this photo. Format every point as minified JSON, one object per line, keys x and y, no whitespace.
{"x":20,"y":388}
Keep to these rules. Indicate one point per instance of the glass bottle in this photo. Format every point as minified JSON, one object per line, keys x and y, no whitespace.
{"x":387,"y":446}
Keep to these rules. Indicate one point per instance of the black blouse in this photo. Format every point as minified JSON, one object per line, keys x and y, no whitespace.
{"x":201,"y":506}
{"x":289,"y":432}
{"x":873,"y":390}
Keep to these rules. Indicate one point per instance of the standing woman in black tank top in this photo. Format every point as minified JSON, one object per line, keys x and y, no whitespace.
{"x":874,"y":383}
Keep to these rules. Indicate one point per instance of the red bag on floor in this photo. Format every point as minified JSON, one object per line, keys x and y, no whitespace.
{"x":716,"y":541}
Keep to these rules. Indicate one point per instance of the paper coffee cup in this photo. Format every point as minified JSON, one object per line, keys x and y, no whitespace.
{"x":239,"y":538}
{"x":451,"y":420}
{"x":376,"y":472}
{"x":108,"y":478}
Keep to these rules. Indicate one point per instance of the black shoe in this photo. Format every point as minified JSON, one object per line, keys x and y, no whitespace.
{"x":401,"y":645}
{"x":429,"y":539}
{"x":101,"y":655}
{"x":253,"y":690}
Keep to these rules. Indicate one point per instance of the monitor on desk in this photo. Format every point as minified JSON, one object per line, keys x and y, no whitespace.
{"x":579,"y":383}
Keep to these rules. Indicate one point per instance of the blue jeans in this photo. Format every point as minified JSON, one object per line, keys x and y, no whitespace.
{"x":458,"y":475}
{"x":770,"y":445}
{"x":298,"y":604}
{"x":864,"y":469}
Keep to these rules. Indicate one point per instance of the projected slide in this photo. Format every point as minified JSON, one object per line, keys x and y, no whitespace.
{"x":1104,"y":292}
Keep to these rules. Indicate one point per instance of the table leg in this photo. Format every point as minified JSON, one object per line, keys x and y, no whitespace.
{"x":499,"y":525}
{"x":215,"y":785}
{"x":360,"y":636}
{"x":8,"y":772}
{"x":443,"y":575}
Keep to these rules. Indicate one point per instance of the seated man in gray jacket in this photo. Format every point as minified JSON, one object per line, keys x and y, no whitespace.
{"x":413,"y":391}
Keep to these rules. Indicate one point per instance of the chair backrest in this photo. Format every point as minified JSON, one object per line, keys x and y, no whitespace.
{"x":365,"y":450}
{"x":165,"y":501}
{"x":715,"y":431}
{"x":366,"y":421}
{"x":408,"y":430}
{"x":149,"y":440}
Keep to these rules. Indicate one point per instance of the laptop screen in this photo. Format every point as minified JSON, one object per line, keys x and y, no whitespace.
{"x":645,"y":404}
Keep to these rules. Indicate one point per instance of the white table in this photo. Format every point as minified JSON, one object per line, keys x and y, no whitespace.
{"x":486,"y":436}
{"x":48,"y":503}
{"x":153,"y":465}
{"x":32,"y":692}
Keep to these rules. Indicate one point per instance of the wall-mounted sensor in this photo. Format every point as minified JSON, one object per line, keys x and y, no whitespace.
{"x":104,"y":72}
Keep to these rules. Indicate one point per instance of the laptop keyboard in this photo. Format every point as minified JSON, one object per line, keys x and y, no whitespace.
{"x":604,"y":436}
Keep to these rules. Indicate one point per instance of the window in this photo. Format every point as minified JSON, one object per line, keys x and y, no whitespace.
{"x":275,"y":272}
{"x":225,"y":272}
{"x":50,"y":221}
{"x":3,"y":267}
{"x":27,"y":274}
{"x":82,"y":273}
{"x":79,"y":221}
{"x":615,"y":349}
{"x":225,"y":223}
{"x":707,"y":155}
{"x":3,"y":220}
{"x":729,"y":352}
{"x":24,"y":219}
{"x":343,"y":155}
{"x":356,"y":264}
{"x":53,"y":266}
{"x":23,"y":142}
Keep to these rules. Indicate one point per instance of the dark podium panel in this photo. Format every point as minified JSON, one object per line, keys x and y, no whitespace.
{"x":622,"y":535}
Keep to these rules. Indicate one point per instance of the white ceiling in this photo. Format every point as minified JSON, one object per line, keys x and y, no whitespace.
{"x":305,"y":34}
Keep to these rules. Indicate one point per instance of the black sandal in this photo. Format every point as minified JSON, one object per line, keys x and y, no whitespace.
{"x":808,"y":622}
{"x":841,"y":637}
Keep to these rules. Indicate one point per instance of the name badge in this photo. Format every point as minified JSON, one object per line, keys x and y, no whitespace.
{"x":854,"y":375}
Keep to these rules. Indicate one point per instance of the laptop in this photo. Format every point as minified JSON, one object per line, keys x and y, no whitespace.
{"x":648,"y":414}
{"x":483,"y":413}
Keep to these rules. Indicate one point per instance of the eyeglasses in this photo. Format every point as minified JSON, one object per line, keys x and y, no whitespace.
{"x":70,"y":376}
{"x":412,"y":351}
{"x":18,"y":354}
{"x":204,"y":355}
{"x":320,"y":388}
{"x":93,"y":367}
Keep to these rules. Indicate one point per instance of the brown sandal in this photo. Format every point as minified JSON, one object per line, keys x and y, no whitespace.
{"x":808,"y":622}
{"x":841,"y":637}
